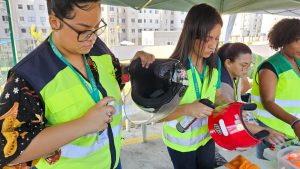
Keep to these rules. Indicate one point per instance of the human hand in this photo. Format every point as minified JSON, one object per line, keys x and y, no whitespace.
{"x":97,"y":118}
{"x":146,"y":58}
{"x":198,"y":110}
{"x":275,"y":137}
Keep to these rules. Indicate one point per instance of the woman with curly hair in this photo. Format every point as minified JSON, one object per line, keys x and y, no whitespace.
{"x":277,"y":79}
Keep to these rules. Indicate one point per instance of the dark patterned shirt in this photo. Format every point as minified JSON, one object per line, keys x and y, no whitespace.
{"x":21,"y":118}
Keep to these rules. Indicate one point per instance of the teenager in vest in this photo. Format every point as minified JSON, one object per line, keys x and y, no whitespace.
{"x":56,"y":110}
{"x":275,"y":87}
{"x":199,"y":38}
{"x":236,"y":60}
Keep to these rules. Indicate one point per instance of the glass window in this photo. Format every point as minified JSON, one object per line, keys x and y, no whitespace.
{"x":5,"y":18}
{"x":23,"y":30}
{"x":42,"y":7}
{"x":20,"y":6}
{"x":30,"y":7}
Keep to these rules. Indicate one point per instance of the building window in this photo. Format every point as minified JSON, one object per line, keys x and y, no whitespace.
{"x":123,"y":20}
{"x":42,"y":7}
{"x":43,"y":19}
{"x":132,"y":20}
{"x":111,"y":8}
{"x":102,"y":8}
{"x":156,"y":11}
{"x":111,"y":19}
{"x":156,"y":29}
{"x":150,"y":20}
{"x":22,"y":18}
{"x":140,"y":30}
{"x":30,"y":7}
{"x":31,"y":19}
{"x":6,"y":30}
{"x":140,"y":21}
{"x":132,"y":30}
{"x":145,"y":21}
{"x":150,"y":11}
{"x":172,"y":22}
{"x":156,"y":20}
{"x":44,"y":30}
{"x":172,"y":12}
{"x":23,"y":30}
{"x":20,"y":6}
{"x":123,"y":30}
{"x":5,"y":18}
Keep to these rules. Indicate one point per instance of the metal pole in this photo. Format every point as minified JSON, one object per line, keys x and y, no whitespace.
{"x":13,"y":47}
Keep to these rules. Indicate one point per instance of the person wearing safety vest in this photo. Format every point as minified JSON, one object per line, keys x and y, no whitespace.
{"x":61,"y":106}
{"x":256,"y":61}
{"x":275,"y":87}
{"x":236,"y":60}
{"x":194,"y":148}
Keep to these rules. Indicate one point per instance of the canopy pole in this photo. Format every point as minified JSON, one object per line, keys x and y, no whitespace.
{"x":229,"y":28}
{"x":13,"y":47}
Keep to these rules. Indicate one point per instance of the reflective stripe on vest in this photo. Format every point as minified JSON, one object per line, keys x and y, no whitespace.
{"x":197,"y":135}
{"x":74,"y":151}
{"x":286,"y":95}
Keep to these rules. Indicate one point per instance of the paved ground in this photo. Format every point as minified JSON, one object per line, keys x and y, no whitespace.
{"x":153,"y":153}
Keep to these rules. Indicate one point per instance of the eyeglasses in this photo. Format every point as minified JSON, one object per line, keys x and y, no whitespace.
{"x":87,"y":34}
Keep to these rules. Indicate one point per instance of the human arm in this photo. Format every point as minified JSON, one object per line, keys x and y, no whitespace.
{"x":245,"y":85}
{"x":194,"y":109}
{"x":220,"y":99}
{"x":23,"y":127}
{"x":267,"y":87}
{"x":274,"y":136}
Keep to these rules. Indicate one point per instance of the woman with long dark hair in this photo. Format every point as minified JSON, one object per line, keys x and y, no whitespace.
{"x":194,"y":148}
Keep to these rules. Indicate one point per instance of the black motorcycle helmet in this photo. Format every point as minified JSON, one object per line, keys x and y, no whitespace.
{"x":160,"y":87}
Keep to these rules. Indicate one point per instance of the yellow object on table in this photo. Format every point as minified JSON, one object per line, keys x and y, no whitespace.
{"x":240,"y":162}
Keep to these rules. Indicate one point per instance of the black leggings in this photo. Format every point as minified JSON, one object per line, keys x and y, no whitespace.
{"x":202,"y":158}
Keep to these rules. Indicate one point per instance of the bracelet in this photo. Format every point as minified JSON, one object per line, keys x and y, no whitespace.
{"x":294,"y":123}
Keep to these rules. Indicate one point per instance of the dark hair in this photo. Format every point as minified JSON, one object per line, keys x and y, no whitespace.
{"x":231,"y":51}
{"x":200,"y":20}
{"x":63,"y":8}
{"x":284,"y":32}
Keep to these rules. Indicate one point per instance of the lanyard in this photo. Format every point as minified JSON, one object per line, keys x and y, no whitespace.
{"x":92,"y":91}
{"x":235,"y":88}
{"x":198,"y":93}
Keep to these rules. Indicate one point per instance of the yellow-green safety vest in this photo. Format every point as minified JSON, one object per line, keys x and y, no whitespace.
{"x":287,"y":95}
{"x":198,"y":134}
{"x":66,"y":100}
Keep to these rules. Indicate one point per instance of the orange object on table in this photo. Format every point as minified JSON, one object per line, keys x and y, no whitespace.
{"x":240,"y":162}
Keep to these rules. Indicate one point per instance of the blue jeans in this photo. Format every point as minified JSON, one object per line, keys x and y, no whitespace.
{"x":260,"y":148}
